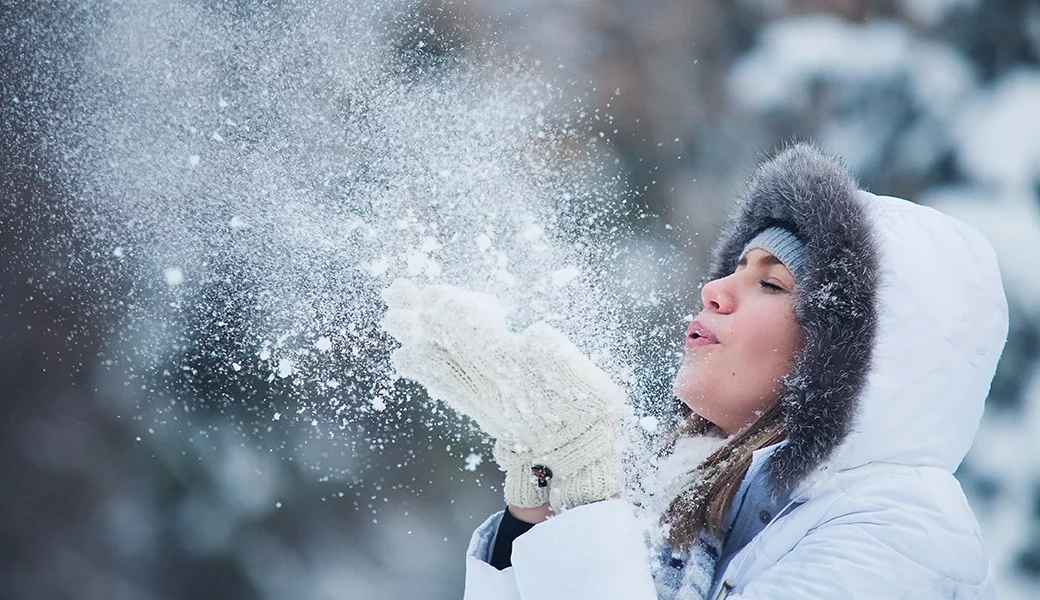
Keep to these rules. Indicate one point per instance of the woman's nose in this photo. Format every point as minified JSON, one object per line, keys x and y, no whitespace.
{"x":717,"y":296}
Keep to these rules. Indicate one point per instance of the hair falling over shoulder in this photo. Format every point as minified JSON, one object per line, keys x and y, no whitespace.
{"x":704,"y":504}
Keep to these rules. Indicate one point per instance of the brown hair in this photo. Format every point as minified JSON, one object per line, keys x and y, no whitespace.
{"x":715,"y":481}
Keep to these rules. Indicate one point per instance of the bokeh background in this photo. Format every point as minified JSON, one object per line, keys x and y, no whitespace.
{"x":104,"y":495}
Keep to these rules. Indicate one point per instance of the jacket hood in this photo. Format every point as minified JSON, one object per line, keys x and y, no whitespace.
{"x":904,"y":317}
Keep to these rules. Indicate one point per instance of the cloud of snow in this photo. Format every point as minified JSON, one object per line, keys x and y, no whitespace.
{"x":295,"y":159}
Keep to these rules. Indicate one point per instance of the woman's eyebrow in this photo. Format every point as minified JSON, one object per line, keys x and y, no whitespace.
{"x":765,"y":259}
{"x":769,"y":260}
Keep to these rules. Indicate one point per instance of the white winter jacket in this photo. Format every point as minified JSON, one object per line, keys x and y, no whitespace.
{"x":880,"y":515}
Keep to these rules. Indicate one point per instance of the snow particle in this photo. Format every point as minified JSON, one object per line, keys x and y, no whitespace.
{"x":649,"y":423}
{"x":473,"y":461}
{"x":174,"y":276}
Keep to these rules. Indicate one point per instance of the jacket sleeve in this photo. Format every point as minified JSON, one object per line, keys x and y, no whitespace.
{"x":484,"y":582}
{"x":593,"y":551}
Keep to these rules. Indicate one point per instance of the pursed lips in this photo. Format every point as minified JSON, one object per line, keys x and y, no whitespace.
{"x":698,"y":335}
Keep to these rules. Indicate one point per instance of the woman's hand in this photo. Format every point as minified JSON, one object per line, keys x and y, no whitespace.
{"x":554,"y":414}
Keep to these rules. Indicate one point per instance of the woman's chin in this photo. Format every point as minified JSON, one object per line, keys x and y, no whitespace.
{"x":681,"y":390}
{"x":684,"y":391}
{"x":685,"y":385}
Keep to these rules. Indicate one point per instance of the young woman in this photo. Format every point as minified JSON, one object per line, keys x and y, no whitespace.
{"x":842,"y":358}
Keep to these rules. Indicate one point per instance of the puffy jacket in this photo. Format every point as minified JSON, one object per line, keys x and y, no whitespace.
{"x":905,"y":320}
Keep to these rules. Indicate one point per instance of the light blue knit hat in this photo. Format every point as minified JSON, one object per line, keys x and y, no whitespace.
{"x":781,"y":243}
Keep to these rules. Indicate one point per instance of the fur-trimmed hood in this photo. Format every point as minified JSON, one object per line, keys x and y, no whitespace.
{"x":904,"y":317}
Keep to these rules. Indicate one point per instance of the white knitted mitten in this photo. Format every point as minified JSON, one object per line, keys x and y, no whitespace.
{"x":554,"y":414}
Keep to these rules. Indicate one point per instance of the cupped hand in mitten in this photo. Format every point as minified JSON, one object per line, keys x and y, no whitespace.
{"x":547,"y":404}
{"x":456,"y":344}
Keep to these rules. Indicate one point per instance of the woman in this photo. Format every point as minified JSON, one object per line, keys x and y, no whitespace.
{"x":844,"y":352}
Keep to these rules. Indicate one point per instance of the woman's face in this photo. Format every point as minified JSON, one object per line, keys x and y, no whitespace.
{"x":742,"y":344}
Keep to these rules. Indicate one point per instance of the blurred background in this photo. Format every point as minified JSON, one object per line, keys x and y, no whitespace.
{"x":114,"y":486}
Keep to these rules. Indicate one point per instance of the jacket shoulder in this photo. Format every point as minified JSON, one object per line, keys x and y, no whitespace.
{"x":884,"y":531}
{"x":919,"y":513}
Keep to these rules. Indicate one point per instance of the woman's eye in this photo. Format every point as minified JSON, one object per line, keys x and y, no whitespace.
{"x":771,"y":287}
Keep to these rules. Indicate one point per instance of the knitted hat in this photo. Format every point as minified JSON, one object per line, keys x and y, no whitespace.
{"x":783,"y":244}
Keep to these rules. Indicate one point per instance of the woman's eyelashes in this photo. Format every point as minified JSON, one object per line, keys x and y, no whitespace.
{"x":771,"y":287}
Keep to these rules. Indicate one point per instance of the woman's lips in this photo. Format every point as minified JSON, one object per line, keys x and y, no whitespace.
{"x":699,"y":335}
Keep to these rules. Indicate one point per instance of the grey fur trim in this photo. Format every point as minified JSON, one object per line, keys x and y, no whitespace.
{"x":835,"y":302}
